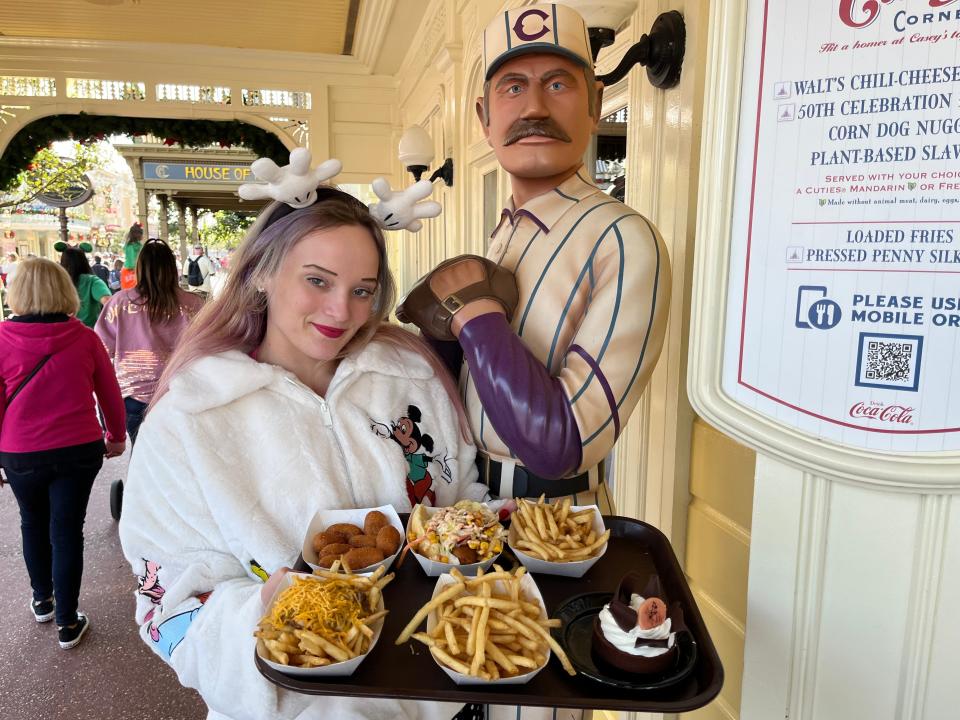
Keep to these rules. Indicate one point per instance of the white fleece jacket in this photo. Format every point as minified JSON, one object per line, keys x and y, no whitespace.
{"x":230,"y":467}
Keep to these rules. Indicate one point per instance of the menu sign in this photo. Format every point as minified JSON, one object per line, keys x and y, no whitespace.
{"x":843,"y":313}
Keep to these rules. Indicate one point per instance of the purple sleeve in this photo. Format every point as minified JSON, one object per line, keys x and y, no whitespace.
{"x":526,"y":405}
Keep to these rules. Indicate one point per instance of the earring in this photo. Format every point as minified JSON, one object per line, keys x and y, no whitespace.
{"x":260,"y":290}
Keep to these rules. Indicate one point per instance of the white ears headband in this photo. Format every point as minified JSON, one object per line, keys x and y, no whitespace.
{"x":296,"y":185}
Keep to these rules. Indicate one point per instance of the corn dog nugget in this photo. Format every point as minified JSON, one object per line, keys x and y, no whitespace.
{"x":356,"y":547}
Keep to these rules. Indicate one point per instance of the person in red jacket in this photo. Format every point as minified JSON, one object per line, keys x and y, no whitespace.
{"x":51,"y":443}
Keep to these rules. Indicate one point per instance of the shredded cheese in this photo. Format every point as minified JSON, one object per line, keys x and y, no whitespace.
{"x":330,"y":608}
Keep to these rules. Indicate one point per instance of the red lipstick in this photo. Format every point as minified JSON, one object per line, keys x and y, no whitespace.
{"x":330,"y":332}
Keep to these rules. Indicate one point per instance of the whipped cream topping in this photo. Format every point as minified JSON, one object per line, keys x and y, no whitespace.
{"x":625,"y":641}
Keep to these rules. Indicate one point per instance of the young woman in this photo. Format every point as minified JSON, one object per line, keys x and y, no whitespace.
{"x":92,"y":291}
{"x":51,"y":443}
{"x":268,"y":411}
{"x":131,"y":249}
{"x":140,"y":327}
{"x":114,"y":279}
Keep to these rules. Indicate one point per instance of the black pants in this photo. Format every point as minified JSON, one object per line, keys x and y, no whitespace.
{"x":135,"y":411}
{"x":53,"y":505}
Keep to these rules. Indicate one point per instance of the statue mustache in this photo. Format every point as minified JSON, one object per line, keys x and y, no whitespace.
{"x":528,"y":128}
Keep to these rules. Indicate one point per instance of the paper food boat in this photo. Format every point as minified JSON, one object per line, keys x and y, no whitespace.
{"x":340,"y":669}
{"x":574,"y":569}
{"x":325,"y":518}
{"x":434,"y":568}
{"x":530,"y":592}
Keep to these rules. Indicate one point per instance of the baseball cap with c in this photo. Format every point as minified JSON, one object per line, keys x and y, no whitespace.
{"x":544,"y":28}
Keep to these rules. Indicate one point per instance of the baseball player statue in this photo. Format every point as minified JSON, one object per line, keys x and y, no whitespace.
{"x":559,"y":327}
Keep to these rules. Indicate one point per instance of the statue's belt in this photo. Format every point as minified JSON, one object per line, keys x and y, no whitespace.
{"x":527,"y":484}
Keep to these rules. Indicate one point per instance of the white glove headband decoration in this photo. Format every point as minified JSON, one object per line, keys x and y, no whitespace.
{"x":296,"y":185}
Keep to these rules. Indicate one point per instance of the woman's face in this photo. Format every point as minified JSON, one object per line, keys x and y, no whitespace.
{"x":324,"y":291}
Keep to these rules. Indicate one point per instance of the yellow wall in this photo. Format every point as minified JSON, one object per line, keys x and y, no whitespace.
{"x":718,"y":550}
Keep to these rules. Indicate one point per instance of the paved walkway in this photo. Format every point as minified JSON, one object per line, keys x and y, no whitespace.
{"x":111,"y":675}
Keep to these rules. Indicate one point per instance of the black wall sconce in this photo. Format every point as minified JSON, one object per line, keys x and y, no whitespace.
{"x":416,"y":154}
{"x":660,"y":51}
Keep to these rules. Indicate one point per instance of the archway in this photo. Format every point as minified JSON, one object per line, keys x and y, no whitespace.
{"x":232,"y":144}
{"x":83,"y":127}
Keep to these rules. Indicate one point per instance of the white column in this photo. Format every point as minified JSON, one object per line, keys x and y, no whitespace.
{"x":194,"y":228}
{"x":850,"y":609}
{"x":182,"y":227}
{"x":164,"y":218}
{"x":143,"y":209}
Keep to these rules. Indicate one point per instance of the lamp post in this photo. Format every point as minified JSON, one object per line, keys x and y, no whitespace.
{"x":76,"y":194}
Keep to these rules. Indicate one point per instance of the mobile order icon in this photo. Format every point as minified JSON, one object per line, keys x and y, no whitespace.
{"x":815,"y":310}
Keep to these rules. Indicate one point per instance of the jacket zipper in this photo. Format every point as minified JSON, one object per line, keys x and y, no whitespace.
{"x":328,"y":422}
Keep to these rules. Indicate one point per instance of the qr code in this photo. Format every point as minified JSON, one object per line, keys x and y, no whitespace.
{"x":889,"y":361}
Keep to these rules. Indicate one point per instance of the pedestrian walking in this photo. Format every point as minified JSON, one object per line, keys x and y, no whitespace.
{"x":92,"y":291}
{"x":51,"y":443}
{"x":99,"y":269}
{"x":131,"y":249}
{"x":9,"y":267}
{"x":140,"y":328}
{"x":197,"y":271}
{"x":114,"y":282}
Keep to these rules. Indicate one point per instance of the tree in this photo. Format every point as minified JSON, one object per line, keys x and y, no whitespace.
{"x":228,"y":229}
{"x":52,"y":173}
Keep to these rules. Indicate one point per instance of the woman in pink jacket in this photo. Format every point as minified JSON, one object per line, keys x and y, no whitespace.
{"x":51,"y":443}
{"x":140,"y":327}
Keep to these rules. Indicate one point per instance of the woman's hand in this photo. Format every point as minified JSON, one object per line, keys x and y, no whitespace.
{"x":114,"y":449}
{"x":270,"y":586}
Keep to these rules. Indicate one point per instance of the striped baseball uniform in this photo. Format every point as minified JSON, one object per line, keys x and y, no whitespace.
{"x":594,"y":281}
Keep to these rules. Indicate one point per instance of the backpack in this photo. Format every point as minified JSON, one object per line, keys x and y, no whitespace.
{"x":194,"y":275}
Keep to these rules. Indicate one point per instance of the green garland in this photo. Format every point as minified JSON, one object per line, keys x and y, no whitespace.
{"x":89,"y":128}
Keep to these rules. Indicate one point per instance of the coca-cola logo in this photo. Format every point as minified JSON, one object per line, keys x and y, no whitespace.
{"x":886,"y":413}
{"x":860,"y":13}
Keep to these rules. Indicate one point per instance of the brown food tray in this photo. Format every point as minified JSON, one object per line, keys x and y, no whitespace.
{"x":409,"y":672}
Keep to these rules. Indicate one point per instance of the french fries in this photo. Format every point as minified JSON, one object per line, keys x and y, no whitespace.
{"x":553,"y":532}
{"x":486,"y":627}
{"x":323,"y":620}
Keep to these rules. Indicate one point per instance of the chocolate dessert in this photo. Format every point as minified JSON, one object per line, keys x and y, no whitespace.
{"x":635,"y":632}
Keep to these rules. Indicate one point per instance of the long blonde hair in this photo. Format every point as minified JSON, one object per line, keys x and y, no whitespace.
{"x":237,"y":319}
